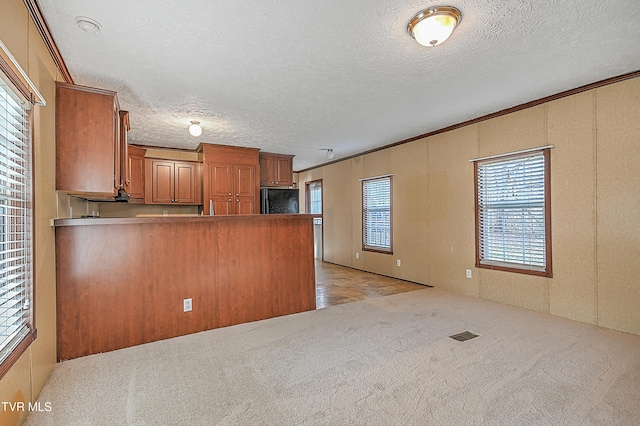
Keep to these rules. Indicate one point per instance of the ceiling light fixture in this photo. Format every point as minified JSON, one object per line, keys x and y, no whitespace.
{"x":195,"y":128}
{"x":88,"y":25}
{"x":330,"y":153}
{"x":434,"y":25}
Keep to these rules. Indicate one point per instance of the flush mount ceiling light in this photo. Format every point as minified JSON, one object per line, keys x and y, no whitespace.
{"x":434,"y":25}
{"x":88,"y":25}
{"x":195,"y":128}
{"x":330,"y":153}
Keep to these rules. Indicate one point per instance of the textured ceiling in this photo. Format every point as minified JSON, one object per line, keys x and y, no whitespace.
{"x":297,"y":77}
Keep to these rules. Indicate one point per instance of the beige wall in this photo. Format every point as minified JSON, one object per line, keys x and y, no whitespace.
{"x":595,"y":204}
{"x":26,"y":378}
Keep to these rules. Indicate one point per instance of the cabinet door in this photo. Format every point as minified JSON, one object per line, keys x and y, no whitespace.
{"x":162,"y":182}
{"x":135,"y":177}
{"x":221,"y":206}
{"x":122,"y":153}
{"x":284,"y":171}
{"x":220,"y":180}
{"x":245,"y":180}
{"x":267,"y":170}
{"x":218,"y":186}
{"x":245,"y":189}
{"x":87,"y":137}
{"x":185,"y":183}
{"x":245,"y":205}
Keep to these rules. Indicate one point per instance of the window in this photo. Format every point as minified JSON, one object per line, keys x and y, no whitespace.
{"x":376,"y":214}
{"x":314,"y":200}
{"x":16,"y":322}
{"x":513,"y":224}
{"x":314,"y":197}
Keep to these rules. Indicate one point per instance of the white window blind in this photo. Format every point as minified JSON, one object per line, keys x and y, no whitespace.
{"x":376,"y":214}
{"x":511,"y":209}
{"x":15,"y":221}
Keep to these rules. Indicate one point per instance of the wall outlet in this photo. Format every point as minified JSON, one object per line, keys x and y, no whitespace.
{"x":187,"y":305}
{"x":398,"y":262}
{"x":357,"y":255}
{"x":468,"y":273}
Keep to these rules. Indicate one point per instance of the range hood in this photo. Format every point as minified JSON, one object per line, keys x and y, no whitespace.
{"x":122,"y":196}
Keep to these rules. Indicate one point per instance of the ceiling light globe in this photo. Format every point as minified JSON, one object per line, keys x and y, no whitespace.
{"x":433,"y":26}
{"x":330,"y":154}
{"x":195,"y":128}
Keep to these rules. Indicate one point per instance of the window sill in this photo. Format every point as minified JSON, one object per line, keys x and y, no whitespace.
{"x":515,"y":269}
{"x":15,"y":355}
{"x":377,"y":250}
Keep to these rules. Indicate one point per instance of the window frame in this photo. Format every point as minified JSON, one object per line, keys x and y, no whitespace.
{"x":366,"y":247}
{"x":308,"y":197}
{"x":513,"y":267}
{"x":21,"y":88}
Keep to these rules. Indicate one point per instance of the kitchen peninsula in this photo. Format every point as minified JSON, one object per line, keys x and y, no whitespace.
{"x":123,"y":281}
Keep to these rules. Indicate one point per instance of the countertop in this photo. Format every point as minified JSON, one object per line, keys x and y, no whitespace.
{"x":167,"y":219}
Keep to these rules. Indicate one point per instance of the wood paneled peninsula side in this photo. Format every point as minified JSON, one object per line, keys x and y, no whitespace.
{"x":121,"y":282}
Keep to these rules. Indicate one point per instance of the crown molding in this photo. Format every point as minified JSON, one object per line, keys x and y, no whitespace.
{"x":43,"y":29}
{"x":520,"y":107}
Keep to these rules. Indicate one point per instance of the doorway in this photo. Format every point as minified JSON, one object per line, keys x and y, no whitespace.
{"x":313,"y":195}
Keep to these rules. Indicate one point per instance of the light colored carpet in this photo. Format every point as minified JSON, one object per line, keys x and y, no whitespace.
{"x":382,"y":361}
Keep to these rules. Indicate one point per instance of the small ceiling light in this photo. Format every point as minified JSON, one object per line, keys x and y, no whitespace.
{"x":434,"y":25}
{"x":88,"y":25}
{"x":195,"y":128}
{"x":330,"y":153}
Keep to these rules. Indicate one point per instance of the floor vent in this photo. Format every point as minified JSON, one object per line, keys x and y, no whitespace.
{"x":461,"y":337}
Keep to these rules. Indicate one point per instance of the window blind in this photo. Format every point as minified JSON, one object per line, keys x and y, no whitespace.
{"x":376,"y":213}
{"x":15,"y":221}
{"x":511,"y":207}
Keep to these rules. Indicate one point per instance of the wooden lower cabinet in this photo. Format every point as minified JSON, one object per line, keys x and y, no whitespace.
{"x":235,"y":269}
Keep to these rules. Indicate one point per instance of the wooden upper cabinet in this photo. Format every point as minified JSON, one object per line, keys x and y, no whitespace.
{"x":245,"y":180}
{"x":220,"y":180}
{"x":276,"y":169}
{"x":187,"y":183}
{"x":87,"y":140}
{"x":134,"y":174}
{"x":230,"y":184}
{"x":172,"y":182}
{"x":122,"y":150}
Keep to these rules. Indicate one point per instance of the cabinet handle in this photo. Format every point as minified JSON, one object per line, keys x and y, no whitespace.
{"x":229,"y":199}
{"x":229,"y":194}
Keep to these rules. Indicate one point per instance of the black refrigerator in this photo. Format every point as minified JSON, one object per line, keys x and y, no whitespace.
{"x":279,"y":200}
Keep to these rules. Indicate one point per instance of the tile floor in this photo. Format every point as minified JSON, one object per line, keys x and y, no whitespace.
{"x":337,"y":284}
